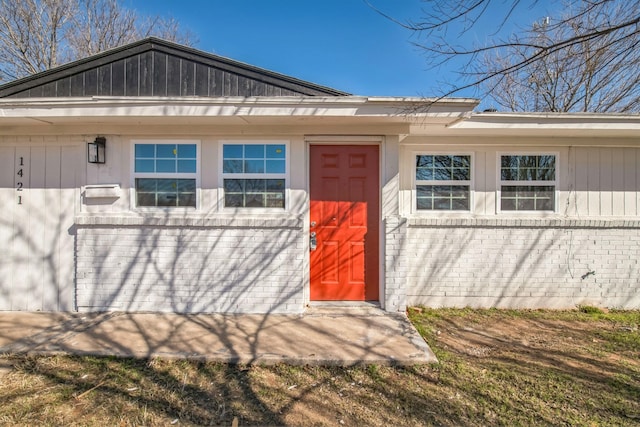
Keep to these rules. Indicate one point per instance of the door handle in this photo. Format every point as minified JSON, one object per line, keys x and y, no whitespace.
{"x":313,"y":241}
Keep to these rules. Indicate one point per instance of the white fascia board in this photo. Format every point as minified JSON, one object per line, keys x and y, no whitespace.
{"x":540,"y":125}
{"x":551,"y":121}
{"x":114,"y":108}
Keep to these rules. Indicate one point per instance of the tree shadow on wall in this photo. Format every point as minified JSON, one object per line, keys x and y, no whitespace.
{"x":158,"y":266}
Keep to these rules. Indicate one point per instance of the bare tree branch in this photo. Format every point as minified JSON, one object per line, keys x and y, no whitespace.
{"x":36,"y":35}
{"x":581,"y":59}
{"x":596,"y":70}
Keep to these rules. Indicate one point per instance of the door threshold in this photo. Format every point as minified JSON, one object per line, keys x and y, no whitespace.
{"x":344,"y":308}
{"x":372,"y":304}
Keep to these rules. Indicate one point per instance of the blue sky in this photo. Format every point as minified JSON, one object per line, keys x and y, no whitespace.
{"x":342,"y":44}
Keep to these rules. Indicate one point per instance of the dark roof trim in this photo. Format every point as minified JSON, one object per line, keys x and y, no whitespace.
{"x":170,"y":48}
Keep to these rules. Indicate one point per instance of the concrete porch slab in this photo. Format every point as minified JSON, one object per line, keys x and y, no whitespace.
{"x":323,"y":335}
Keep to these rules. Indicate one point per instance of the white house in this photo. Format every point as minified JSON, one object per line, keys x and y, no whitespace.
{"x":155,"y":177}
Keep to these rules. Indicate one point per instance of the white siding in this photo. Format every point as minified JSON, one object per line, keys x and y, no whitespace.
{"x":481,"y":175}
{"x":606,"y":166}
{"x":630,"y":184}
{"x":23,"y":244}
{"x":580,"y":201}
{"x":606,"y":182}
{"x":36,"y":229}
{"x":8,"y":202}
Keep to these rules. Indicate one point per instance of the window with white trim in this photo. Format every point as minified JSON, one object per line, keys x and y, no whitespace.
{"x":254,"y":175}
{"x":443,"y":182}
{"x":165,"y":174}
{"x":528,"y":182}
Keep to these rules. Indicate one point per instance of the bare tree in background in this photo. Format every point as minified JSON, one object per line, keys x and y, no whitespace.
{"x":36,"y":35}
{"x":594,"y":74}
{"x":584,"y":59}
{"x":30,"y":35}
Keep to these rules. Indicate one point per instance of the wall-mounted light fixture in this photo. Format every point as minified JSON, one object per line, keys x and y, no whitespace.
{"x":96,"y":150}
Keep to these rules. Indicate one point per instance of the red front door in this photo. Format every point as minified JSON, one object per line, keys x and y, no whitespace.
{"x":344,"y":190}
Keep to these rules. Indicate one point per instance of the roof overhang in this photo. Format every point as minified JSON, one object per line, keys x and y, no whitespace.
{"x":421,"y":116}
{"x":542,"y":125}
{"x":233,"y":110}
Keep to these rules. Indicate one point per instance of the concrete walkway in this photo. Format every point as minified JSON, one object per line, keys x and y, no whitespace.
{"x":321,"y":336}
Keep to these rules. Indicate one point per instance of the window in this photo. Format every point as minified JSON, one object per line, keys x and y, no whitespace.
{"x":443,"y":182}
{"x":254,"y":175}
{"x":165,"y":174}
{"x":527,"y":182}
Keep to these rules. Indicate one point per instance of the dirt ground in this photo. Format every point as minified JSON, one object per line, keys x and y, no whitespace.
{"x":538,"y":367}
{"x":544,"y":340}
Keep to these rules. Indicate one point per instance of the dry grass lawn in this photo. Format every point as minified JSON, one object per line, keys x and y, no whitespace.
{"x":496,"y":368}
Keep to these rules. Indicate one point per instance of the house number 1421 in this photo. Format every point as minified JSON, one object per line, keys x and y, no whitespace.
{"x":20,"y":174}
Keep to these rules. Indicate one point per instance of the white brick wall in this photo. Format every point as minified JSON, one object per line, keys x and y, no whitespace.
{"x":190,"y":269}
{"x":396,"y":263}
{"x":260,"y":268}
{"x":518,"y":263}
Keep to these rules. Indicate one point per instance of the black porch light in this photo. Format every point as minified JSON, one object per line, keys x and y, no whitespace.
{"x":96,"y":150}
